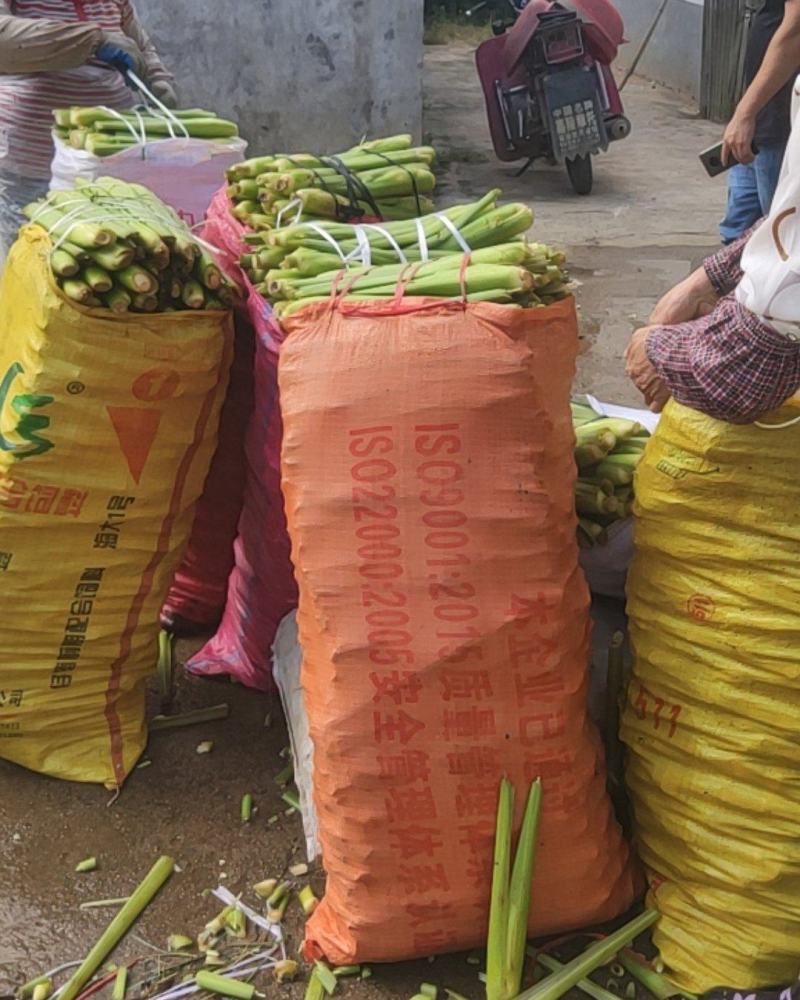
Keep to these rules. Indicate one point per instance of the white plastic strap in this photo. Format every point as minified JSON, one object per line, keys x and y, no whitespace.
{"x":92,"y":212}
{"x":422,"y":240}
{"x":292,"y":204}
{"x":778,"y":427}
{"x":140,"y":137}
{"x":153,"y":100}
{"x":224,"y":895}
{"x":263,"y":960}
{"x":449,"y":224}
{"x":363,"y":250}
{"x":321,"y":231}
{"x":388,"y":237}
{"x":171,"y":122}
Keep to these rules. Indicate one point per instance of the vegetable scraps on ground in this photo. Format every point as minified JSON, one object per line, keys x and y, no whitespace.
{"x":117,"y":247}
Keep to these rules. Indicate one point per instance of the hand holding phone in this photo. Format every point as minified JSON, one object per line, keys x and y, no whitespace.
{"x":711,"y":159}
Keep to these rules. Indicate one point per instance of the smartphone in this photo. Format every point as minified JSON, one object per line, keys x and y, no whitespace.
{"x":711,"y":159}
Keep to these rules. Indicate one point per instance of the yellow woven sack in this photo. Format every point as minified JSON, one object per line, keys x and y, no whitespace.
{"x":712,"y":719}
{"x":107,"y":427}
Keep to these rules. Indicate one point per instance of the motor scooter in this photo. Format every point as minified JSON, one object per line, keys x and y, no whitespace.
{"x":549,"y":87}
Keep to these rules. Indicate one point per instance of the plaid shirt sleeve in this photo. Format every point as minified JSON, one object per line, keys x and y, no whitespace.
{"x":729,"y":365}
{"x":724,"y":268}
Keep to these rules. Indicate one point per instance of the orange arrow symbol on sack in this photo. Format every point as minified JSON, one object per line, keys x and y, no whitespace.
{"x":136,"y":430}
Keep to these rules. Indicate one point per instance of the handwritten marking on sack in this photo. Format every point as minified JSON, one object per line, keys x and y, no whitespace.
{"x":5,"y":560}
{"x":658,"y":711}
{"x":76,"y":626}
{"x":11,"y":699}
{"x":16,"y":495}
{"x":701,"y":607}
{"x":107,"y":536}
{"x":75,"y":388}
{"x":25,"y":426}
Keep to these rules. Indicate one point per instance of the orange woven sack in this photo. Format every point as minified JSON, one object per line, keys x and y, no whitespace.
{"x":428,"y":477}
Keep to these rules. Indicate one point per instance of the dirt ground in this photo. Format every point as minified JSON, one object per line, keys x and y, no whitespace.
{"x":652,"y":214}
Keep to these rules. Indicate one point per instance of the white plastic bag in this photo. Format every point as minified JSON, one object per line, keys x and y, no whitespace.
{"x":184,"y":173}
{"x":287,"y":662}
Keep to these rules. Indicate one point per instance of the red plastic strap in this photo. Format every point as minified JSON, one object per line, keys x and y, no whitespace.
{"x":462,"y":277}
{"x":406,"y":276}
{"x":337,"y":294}
{"x":335,"y":287}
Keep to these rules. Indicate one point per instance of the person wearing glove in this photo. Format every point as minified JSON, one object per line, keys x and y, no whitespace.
{"x":55,"y":55}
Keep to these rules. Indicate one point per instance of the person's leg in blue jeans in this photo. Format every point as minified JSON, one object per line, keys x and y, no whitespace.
{"x":768,"y":170}
{"x":744,"y":204}
{"x":751,"y":188}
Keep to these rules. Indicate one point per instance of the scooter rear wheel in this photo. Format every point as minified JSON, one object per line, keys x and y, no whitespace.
{"x":581,"y":175}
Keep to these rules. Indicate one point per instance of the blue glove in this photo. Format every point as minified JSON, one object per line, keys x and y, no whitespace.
{"x":116,"y":57}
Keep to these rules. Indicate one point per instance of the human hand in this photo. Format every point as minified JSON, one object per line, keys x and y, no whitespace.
{"x":738,"y":138}
{"x":121,"y":52}
{"x":691,"y":298}
{"x":641,"y":372}
{"x":165,"y":92}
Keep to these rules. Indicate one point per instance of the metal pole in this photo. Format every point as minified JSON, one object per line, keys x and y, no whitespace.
{"x":645,"y":43}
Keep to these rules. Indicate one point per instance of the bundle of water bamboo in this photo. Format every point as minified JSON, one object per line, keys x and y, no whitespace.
{"x":386,"y":178}
{"x":116,"y":246}
{"x":103,"y":132}
{"x":607,"y":453}
{"x":519,"y":274}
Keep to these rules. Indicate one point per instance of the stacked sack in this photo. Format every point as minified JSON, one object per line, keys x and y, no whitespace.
{"x":253,"y":580}
{"x":109,"y":404}
{"x":713,"y":713}
{"x":443,"y":618}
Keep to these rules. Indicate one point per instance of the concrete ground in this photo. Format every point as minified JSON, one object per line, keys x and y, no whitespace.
{"x":653,"y":212}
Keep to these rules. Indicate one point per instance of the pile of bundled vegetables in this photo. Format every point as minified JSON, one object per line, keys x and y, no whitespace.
{"x":520,"y":274}
{"x":305,"y":251}
{"x":385,"y":178}
{"x":607,"y":453}
{"x":103,"y":132}
{"x":116,"y":246}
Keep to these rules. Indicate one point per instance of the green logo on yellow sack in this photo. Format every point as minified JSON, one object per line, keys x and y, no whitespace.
{"x":26,"y":425}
